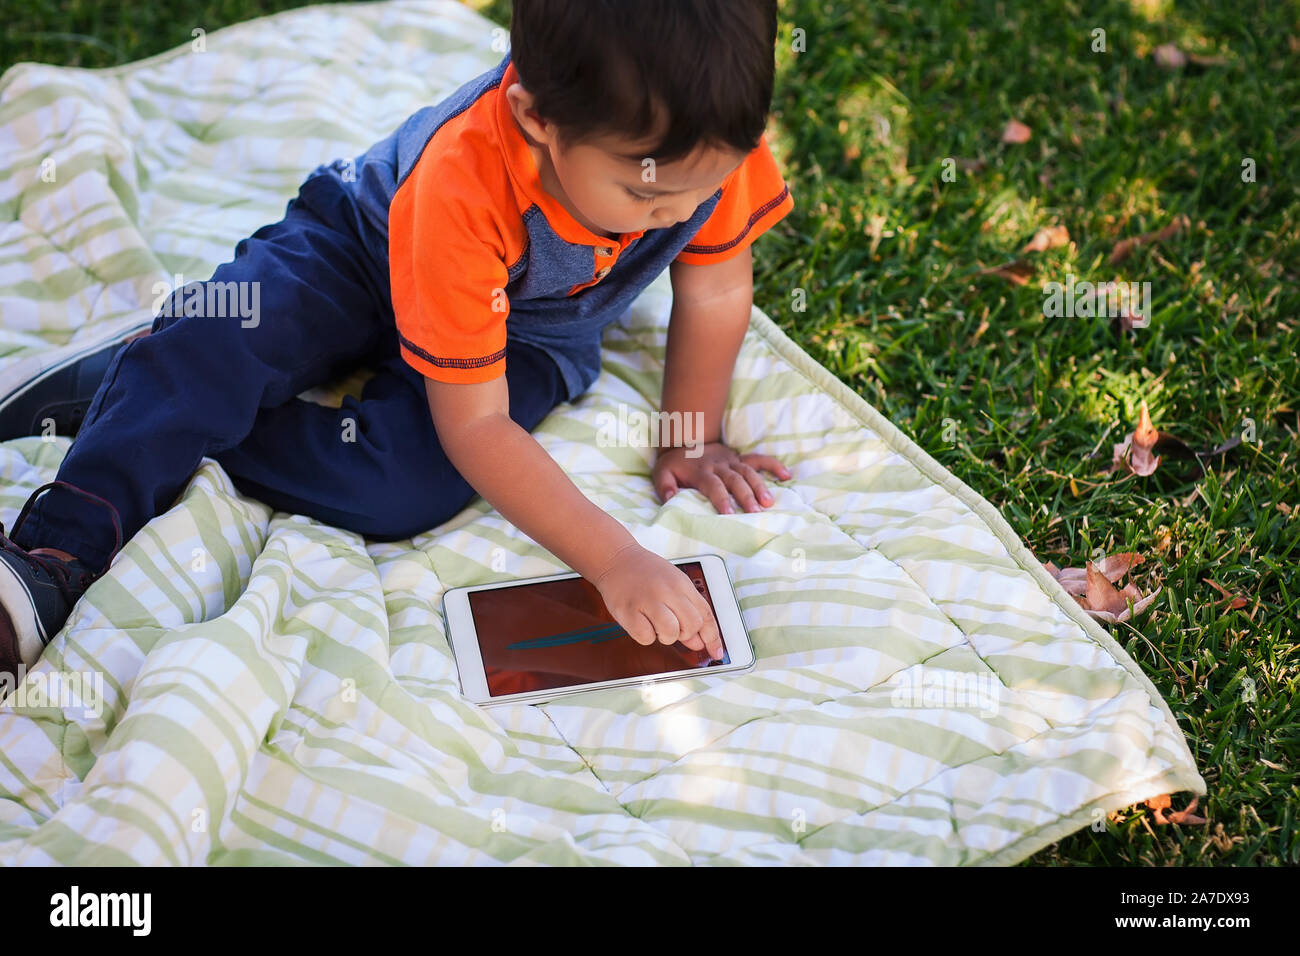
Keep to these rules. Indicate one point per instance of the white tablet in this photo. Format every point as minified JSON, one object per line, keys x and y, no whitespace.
{"x":535,"y":639}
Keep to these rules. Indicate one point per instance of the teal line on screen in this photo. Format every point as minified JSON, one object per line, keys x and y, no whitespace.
{"x":590,"y":634}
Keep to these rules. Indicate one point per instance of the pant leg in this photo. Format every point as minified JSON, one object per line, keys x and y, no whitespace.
{"x":196,"y":384}
{"x":376,"y":466}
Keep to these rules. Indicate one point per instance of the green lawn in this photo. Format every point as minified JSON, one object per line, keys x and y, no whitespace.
{"x":887,"y":242}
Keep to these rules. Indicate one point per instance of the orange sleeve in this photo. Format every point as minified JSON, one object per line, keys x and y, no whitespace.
{"x":448,"y":273}
{"x":754,"y":198}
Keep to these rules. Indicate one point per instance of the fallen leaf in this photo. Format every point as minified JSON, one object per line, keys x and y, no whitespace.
{"x":1129,"y":317}
{"x":1158,"y":804}
{"x":1145,"y":437}
{"x":1226,"y":447}
{"x":1114,"y":567}
{"x":1232,"y":601}
{"x":1187,"y":816}
{"x":1092,"y":586}
{"x":1100,"y":594}
{"x":1048,"y":238}
{"x":1135,"y":451}
{"x":1169,"y":57}
{"x":1162,"y":803}
{"x":1145,"y":447}
{"x":1124,"y":248}
{"x":1222,"y":842}
{"x":1017,"y":271}
{"x":1016,"y":132}
{"x":971,"y":165}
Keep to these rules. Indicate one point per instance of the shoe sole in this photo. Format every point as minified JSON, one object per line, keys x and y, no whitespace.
{"x":21,"y":609}
{"x":27,"y":373}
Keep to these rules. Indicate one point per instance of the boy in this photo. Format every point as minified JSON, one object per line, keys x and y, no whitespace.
{"x":473,"y":258}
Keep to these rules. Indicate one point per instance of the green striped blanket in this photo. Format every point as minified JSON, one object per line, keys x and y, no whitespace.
{"x":250,"y":686}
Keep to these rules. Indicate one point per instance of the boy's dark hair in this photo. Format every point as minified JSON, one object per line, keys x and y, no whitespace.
{"x":598,"y":67}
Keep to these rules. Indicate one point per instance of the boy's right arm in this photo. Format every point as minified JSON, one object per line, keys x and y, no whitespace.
{"x":651,"y":598}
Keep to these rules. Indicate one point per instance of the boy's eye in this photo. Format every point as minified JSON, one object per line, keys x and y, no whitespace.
{"x":637,"y":196}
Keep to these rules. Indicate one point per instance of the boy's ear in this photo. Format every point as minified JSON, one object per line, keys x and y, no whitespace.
{"x":521,"y":105}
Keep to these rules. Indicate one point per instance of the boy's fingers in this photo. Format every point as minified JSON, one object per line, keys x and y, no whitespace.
{"x":712,"y":486}
{"x":768,"y":464}
{"x":712,"y":638}
{"x":665,"y":624}
{"x":694,"y":642}
{"x":708,"y":628}
{"x":666,"y":484}
{"x":688,"y":617}
{"x":740,"y":490}
{"x":640,"y":629}
{"x":756,"y":482}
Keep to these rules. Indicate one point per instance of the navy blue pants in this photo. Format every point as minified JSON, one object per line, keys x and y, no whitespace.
{"x":226,"y":387}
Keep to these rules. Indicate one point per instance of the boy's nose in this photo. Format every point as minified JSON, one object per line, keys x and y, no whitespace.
{"x":672,"y":214}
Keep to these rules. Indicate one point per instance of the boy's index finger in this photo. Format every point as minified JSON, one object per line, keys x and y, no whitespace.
{"x":711,"y":633}
{"x":709,"y":630}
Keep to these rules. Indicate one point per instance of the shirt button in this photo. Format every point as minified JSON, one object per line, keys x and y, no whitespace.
{"x":602,"y":273}
{"x":604,"y":251}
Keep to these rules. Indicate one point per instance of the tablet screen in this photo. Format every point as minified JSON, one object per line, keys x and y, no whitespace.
{"x":559,"y":633}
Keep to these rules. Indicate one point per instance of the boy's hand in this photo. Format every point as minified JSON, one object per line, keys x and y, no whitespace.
{"x":720,"y":474}
{"x":653,"y":599}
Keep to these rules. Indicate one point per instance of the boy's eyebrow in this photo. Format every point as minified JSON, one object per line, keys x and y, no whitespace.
{"x":652,"y":188}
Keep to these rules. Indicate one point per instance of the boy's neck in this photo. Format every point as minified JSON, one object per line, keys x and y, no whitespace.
{"x":546,"y":174}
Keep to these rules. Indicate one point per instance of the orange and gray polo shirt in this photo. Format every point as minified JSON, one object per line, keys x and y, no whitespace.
{"x":479,"y":251}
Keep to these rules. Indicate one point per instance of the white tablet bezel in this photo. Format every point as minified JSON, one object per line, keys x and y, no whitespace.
{"x":463,"y":637}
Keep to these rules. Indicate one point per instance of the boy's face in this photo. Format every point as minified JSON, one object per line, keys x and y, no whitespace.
{"x":601,"y":183}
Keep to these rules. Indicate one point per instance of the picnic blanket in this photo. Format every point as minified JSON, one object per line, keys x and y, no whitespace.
{"x":247,"y":686}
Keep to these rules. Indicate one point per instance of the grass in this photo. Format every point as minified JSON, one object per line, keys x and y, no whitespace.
{"x":888,"y":251}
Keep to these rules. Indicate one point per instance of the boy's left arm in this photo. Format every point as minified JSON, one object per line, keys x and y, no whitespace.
{"x":710,"y":314}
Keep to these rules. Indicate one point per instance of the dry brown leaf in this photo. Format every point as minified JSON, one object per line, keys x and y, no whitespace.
{"x":1169,"y":57}
{"x":1048,"y":238}
{"x":1130,"y":317}
{"x":1124,"y":248}
{"x":1017,"y":271}
{"x":1159,"y":804}
{"x":1231,"y":602}
{"x":1016,"y":132}
{"x":1222,"y":842}
{"x":1187,"y":817}
{"x":1145,"y":437}
{"x":1092,"y":586}
{"x":1100,"y":595}
{"x":1135,"y":451}
{"x":1114,"y":567}
{"x":1142,"y":451}
{"x":1163,"y":802}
